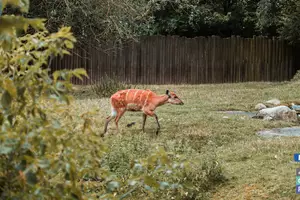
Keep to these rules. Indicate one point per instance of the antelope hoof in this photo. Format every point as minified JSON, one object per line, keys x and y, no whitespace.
{"x":157,"y":131}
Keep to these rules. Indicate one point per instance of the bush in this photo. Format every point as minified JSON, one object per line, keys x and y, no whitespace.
{"x":296,"y":77}
{"x":107,"y":86}
{"x":41,"y":156}
{"x":189,"y":179}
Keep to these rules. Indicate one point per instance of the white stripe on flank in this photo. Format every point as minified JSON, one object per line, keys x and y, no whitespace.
{"x":146,"y":99}
{"x":142,"y":95}
{"x":135,"y":95}
{"x":127,"y":95}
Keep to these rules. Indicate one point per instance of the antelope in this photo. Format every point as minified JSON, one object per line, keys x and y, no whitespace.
{"x":138,"y":100}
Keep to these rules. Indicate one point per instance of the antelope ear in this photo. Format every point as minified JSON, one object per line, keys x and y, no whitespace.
{"x":167,"y":92}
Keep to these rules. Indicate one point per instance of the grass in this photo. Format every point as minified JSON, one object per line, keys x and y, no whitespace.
{"x":255,"y":167}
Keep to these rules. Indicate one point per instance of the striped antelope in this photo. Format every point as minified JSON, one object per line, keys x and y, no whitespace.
{"x":138,"y":100}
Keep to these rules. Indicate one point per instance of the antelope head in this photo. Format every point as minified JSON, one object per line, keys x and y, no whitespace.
{"x":173,"y":98}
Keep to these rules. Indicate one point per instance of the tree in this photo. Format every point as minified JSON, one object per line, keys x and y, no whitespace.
{"x":269,"y":17}
{"x":198,"y":17}
{"x":290,"y":20}
{"x":93,"y":19}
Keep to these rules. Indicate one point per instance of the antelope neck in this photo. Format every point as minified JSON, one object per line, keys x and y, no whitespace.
{"x":160,"y":100}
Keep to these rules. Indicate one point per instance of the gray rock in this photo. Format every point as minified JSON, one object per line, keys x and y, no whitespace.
{"x":273,"y":102}
{"x":260,"y":106}
{"x":277,"y":113}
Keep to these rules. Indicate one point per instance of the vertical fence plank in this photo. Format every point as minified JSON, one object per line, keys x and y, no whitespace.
{"x":193,"y":62}
{"x":278,"y":59}
{"x":223,"y":60}
{"x":231,"y":59}
{"x":200,"y":63}
{"x":153,"y":60}
{"x":241,"y":60}
{"x":171,"y":59}
{"x":162,"y":48}
{"x":259,"y":62}
{"x":226,"y":60}
{"x":176,"y":64}
{"x":143,"y":58}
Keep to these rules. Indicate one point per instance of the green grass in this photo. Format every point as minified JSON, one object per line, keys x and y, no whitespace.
{"x":255,"y":167}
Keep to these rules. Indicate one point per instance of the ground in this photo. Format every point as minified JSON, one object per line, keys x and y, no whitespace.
{"x":255,"y":167}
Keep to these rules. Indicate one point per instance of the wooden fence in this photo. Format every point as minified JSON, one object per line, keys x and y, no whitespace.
{"x":176,"y":60}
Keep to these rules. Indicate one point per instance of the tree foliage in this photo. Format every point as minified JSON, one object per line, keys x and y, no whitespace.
{"x":290,"y":20}
{"x":116,"y":20}
{"x":198,"y":17}
{"x":94,"y":20}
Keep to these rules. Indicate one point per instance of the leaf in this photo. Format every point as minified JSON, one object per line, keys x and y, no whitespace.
{"x":113,"y":185}
{"x":31,"y":178}
{"x":6,"y":100}
{"x":65,"y":52}
{"x":151,"y":181}
{"x":24,"y":5}
{"x":5,"y":150}
{"x":165,"y":160}
{"x":147,"y":187}
{"x":42,"y":149}
{"x":10,"y":119}
{"x":56,"y":124}
{"x":9,"y":86}
{"x":21,"y":91}
{"x":67,"y":176}
{"x":175,"y":186}
{"x":138,"y":166}
{"x":56,"y":74}
{"x":10,"y":23}
{"x":163,"y":185}
{"x":68,"y":167}
{"x":6,"y":40}
{"x":69,"y":44}
{"x":132,"y":182}
{"x":21,"y":166}
{"x":152,"y":161}
{"x":42,"y":114}
{"x":80,"y":71}
{"x":43,"y":163}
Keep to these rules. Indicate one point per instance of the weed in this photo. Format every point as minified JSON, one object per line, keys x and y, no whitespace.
{"x":107,"y":86}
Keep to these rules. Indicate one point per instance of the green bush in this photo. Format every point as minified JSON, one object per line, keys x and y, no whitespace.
{"x":107,"y":86}
{"x":38,"y":159}
{"x":189,"y":179}
{"x":296,"y":77}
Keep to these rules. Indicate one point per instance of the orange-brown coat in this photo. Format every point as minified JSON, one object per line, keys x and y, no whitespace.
{"x":138,"y":100}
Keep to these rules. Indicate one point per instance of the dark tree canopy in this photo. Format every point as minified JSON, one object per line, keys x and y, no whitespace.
{"x":122,"y":19}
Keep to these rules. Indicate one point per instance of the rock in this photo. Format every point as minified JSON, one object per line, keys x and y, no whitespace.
{"x":277,"y":113}
{"x":290,"y":116}
{"x":260,"y":106}
{"x":295,"y":107}
{"x":273,"y":102}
